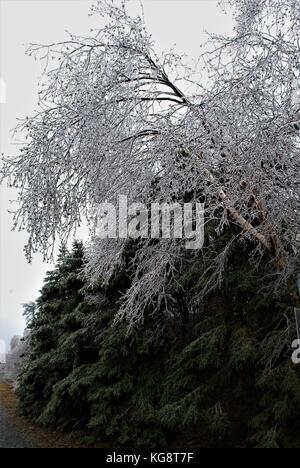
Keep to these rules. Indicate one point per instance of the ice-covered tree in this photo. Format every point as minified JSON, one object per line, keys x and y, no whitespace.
{"x":115,"y":118}
{"x":17,"y":357}
{"x":20,"y":348}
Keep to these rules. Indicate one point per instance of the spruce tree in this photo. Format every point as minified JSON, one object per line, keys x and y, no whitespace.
{"x":218,"y":376}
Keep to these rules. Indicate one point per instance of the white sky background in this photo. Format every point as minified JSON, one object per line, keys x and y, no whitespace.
{"x":180,"y":22}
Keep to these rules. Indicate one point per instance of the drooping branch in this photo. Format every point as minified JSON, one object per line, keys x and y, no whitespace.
{"x":236,"y":216}
{"x":111,"y":120}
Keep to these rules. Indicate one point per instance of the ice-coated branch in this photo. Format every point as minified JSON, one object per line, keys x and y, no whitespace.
{"x":113,"y":120}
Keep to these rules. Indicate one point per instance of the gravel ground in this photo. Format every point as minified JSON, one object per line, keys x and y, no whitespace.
{"x":11,"y":436}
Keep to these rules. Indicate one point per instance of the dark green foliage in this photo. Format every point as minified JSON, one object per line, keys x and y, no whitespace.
{"x":219,"y":377}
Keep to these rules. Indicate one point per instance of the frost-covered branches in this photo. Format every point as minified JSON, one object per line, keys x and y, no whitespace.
{"x":17,"y":358}
{"x":113,"y":120}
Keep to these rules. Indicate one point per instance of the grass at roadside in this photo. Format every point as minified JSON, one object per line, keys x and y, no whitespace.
{"x":44,"y":438}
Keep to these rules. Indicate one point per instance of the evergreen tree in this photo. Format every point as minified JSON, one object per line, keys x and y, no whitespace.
{"x":217,"y":376}
{"x":53,"y":329}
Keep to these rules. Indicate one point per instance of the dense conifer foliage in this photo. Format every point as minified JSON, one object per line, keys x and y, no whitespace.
{"x":220,"y":376}
{"x":143,"y":342}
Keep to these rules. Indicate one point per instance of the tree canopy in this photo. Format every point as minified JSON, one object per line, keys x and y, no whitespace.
{"x":114,"y":118}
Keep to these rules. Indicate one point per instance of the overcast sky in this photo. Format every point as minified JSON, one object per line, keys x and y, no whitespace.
{"x":180,"y":22}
